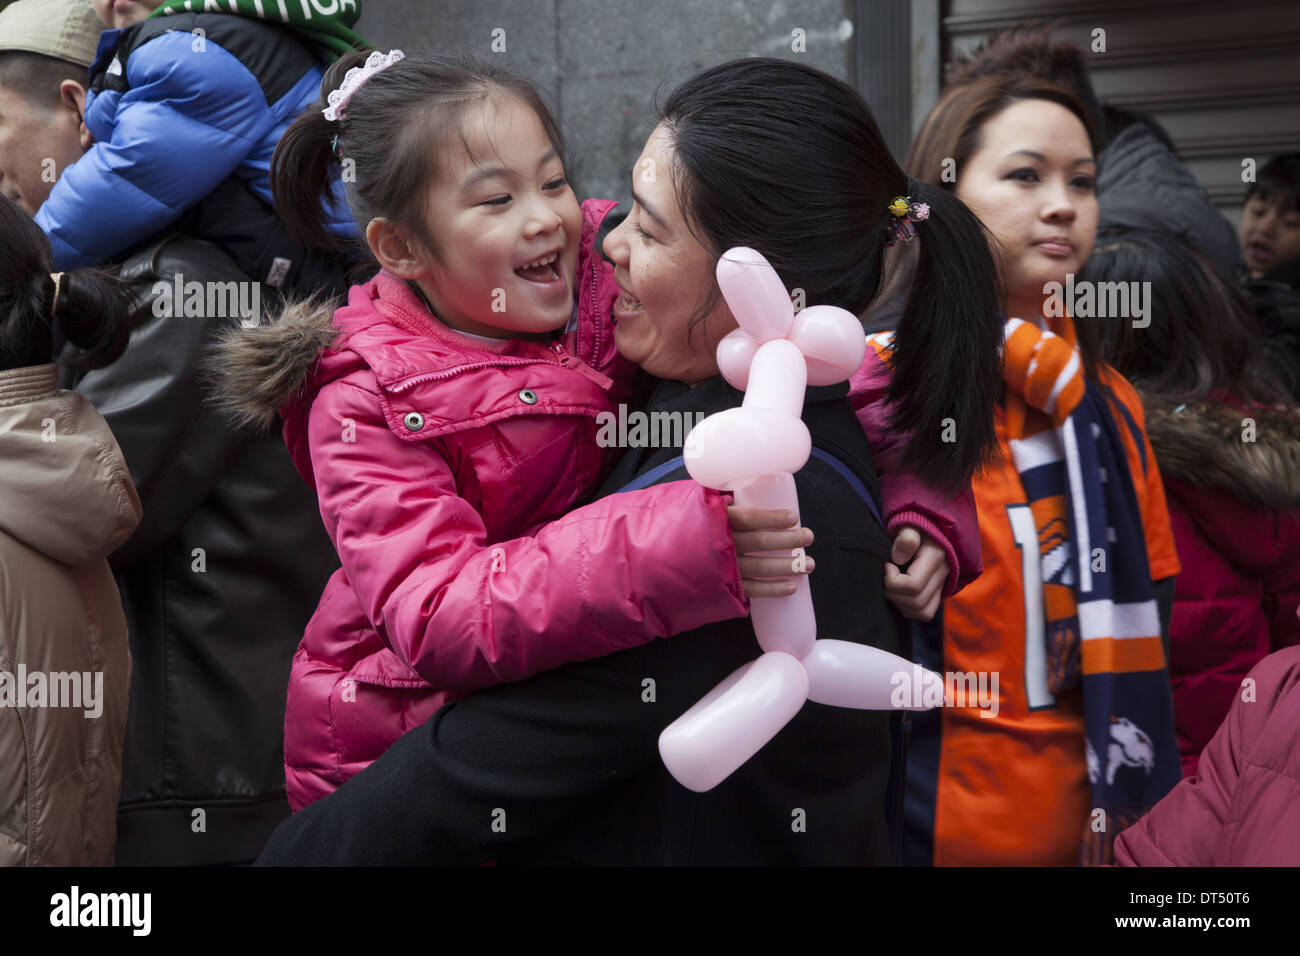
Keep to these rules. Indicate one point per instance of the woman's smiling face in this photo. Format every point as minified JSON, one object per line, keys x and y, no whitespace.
{"x":667,"y":277}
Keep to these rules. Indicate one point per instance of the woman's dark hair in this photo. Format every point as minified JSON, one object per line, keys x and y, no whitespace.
{"x":789,"y":161}
{"x":93,"y":309}
{"x":389,"y":138}
{"x":1028,"y":51}
{"x":951,"y":134}
{"x":1202,"y":336}
{"x":1278,"y":182}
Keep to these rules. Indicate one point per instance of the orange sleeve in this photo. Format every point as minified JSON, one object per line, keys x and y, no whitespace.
{"x":1162,"y":556}
{"x":1161,"y":553}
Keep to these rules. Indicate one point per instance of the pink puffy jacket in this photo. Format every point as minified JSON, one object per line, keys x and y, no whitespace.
{"x":446,"y":472}
{"x":1240,"y":809}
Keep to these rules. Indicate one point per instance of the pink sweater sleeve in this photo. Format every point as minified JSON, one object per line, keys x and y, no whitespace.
{"x":907,"y":500}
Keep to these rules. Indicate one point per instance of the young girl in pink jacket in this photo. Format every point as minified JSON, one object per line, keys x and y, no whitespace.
{"x":446,"y":419}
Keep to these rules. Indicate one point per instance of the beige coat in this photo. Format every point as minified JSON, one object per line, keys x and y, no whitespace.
{"x":66,"y":502}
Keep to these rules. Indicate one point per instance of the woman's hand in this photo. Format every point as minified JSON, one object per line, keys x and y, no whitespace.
{"x":918,"y":591}
{"x":759,"y":530}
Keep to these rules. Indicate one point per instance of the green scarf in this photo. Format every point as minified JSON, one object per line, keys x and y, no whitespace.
{"x":331,"y":30}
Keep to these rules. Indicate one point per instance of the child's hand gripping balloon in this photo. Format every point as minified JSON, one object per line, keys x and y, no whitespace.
{"x":754,"y":451}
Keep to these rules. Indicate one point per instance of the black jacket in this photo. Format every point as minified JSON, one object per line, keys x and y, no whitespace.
{"x":217,"y":583}
{"x":1142,"y":184}
{"x":564,"y":767}
{"x":1275,"y":300}
{"x":817,"y":793}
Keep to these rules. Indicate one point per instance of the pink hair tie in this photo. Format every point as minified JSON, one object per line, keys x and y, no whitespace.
{"x":354,"y":79}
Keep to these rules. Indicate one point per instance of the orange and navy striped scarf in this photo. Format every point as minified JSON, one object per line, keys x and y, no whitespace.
{"x":1103,"y":627}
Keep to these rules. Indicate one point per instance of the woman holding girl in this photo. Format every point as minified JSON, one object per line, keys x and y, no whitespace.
{"x":464,"y":606}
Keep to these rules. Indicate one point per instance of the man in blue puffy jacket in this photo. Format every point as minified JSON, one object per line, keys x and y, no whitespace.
{"x":180,"y":102}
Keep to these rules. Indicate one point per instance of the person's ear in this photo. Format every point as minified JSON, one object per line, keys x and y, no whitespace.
{"x":391,"y":246}
{"x":72,"y":96}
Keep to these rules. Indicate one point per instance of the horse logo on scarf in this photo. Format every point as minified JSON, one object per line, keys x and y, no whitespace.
{"x":1054,"y":552}
{"x":1130,"y":746}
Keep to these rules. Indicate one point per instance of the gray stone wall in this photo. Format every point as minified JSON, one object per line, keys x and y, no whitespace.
{"x":600,"y":63}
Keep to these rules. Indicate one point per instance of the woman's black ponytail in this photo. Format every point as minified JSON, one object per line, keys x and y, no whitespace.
{"x":93,"y":309}
{"x":946,"y":360}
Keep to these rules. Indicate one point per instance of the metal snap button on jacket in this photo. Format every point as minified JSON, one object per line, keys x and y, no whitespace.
{"x":414,"y":421}
{"x":528,"y":396}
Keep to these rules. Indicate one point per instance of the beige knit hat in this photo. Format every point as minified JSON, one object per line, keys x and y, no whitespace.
{"x":64,"y":29}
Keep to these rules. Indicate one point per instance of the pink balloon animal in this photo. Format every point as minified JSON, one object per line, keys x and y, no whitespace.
{"x":754,"y":451}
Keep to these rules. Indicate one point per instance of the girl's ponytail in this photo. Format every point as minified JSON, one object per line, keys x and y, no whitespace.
{"x":305,"y":164}
{"x":95,"y":312}
{"x":384,"y":149}
{"x":93,"y":309}
{"x":947,"y":357}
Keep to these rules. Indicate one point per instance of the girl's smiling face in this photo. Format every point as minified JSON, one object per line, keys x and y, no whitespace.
{"x":1032,"y":183}
{"x":667,"y":277}
{"x":502,"y":228}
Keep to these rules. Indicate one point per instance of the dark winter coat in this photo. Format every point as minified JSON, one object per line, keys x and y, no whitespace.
{"x":217,"y":583}
{"x":1141,"y":184}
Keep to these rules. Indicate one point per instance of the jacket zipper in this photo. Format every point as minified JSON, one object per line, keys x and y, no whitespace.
{"x":562,"y":358}
{"x":448,"y":373}
{"x":579,"y":366}
{"x":595,"y":285}
{"x":573,"y":361}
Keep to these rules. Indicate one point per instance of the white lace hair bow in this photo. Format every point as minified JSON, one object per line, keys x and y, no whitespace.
{"x":354,"y":79}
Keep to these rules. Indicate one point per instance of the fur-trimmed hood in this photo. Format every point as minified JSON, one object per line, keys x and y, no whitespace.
{"x":259,"y":369}
{"x":1213,"y":445}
